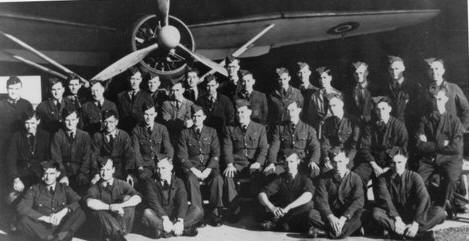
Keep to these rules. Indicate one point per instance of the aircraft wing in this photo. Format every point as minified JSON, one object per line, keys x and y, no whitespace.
{"x":218,"y":39}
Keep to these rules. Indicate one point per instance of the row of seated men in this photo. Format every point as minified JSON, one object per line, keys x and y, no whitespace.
{"x":244,"y":149}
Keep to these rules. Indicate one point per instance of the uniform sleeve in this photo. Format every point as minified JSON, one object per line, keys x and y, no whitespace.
{"x":313,"y":146}
{"x":136,"y":145}
{"x":455,"y":145}
{"x":322,"y":198}
{"x":93,"y":192}
{"x":365,"y":145}
{"x":214,"y":151}
{"x":153,"y":200}
{"x":357,"y":197}
{"x":422,"y":199}
{"x":128,"y":189}
{"x":182,"y":153}
{"x":462,"y":106}
{"x":72,"y":199}
{"x":402,"y":139}
{"x":427,"y":147}
{"x":166,"y":111}
{"x":181,"y":200}
{"x":25,"y":206}
{"x":167,"y":143}
{"x":384,"y":198}
{"x":262,"y":147}
{"x":274,"y":146}
{"x":273,"y":187}
{"x":56,"y":151}
{"x":227,"y":146}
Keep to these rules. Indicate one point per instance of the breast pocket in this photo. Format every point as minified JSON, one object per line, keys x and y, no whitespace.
{"x":252,"y":140}
{"x":300,"y":141}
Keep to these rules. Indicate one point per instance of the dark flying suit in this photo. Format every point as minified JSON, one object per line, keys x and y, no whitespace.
{"x":171,"y":201}
{"x":307,"y":93}
{"x":407,"y":197}
{"x":150,"y":145}
{"x":438,"y":158}
{"x":340,"y":135}
{"x":112,"y":224}
{"x":228,"y":86}
{"x":40,"y":201}
{"x":340,"y":197}
{"x":92,"y":115}
{"x":130,"y":107}
{"x":278,"y":100}
{"x":191,"y":95}
{"x":379,"y":143}
{"x":259,"y":105}
{"x":201,"y":150}
{"x":175,"y":113}
{"x":360,"y":103}
{"x":300,"y":137}
{"x":318,"y":108}
{"x":242,"y":148}
{"x":220,"y":112}
{"x":158,"y":97}
{"x":406,"y":103}
{"x":50,"y":114}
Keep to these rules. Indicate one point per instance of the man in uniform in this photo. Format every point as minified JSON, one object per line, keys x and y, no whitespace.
{"x":130,"y":102}
{"x":287,"y":200}
{"x":440,"y":143}
{"x":284,"y":94}
{"x":360,"y":101}
{"x":157,"y":94}
{"x":380,"y":141}
{"x":151,"y":141}
{"x":403,"y":203}
{"x":297,"y":135}
{"x":50,"y":210}
{"x":112,"y":203}
{"x":168,"y":212}
{"x":305,"y":86}
{"x":217,"y":106}
{"x":71,"y":148}
{"x":257,"y":100}
{"x":231,"y":85}
{"x":193,"y":91}
{"x":78,"y":91}
{"x":199,"y":154}
{"x":92,"y":110}
{"x":244,"y":151}
{"x":340,"y":200}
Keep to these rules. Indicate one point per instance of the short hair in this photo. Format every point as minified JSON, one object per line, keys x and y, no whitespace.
{"x":291,"y":101}
{"x":54,"y":81}
{"x":93,"y":82}
{"x":68,"y":111}
{"x":164,"y":157}
{"x":50,"y":164}
{"x":392,"y":59}
{"x":13,"y":80}
{"x":357,"y":64}
{"x":147,"y":106}
{"x":244,"y":72}
{"x":302,"y":65}
{"x":338,"y":96}
{"x":133,"y":70}
{"x":102,"y":162}
{"x":290,"y":151}
{"x":323,"y":69}
{"x":109,"y":113}
{"x":385,"y":99}
{"x":210,"y":78}
{"x":230,"y":59}
{"x":192,"y":69}
{"x":28,"y":115}
{"x":435,"y":91}
{"x":241,"y":103}
{"x":196,"y":108}
{"x":282,"y":70}
{"x":72,"y":76}
{"x":150,"y":75}
{"x":433,"y":59}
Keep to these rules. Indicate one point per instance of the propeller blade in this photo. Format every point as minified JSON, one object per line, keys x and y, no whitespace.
{"x":243,"y":48}
{"x":163,"y":11}
{"x":38,"y":66}
{"x":41,"y":55}
{"x":124,"y":63}
{"x":214,"y":66}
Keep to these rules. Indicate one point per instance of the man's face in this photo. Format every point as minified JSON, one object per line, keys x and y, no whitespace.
{"x":97,"y":92}
{"x":177,"y":91}
{"x":106,"y":172}
{"x":149,"y":116}
{"x":198,"y":118}
{"x":304,"y":73}
{"x":14,"y":91}
{"x":336,"y":106}
{"x":440,"y":100}
{"x":110,"y":124}
{"x":164,"y":169}
{"x":293,"y":111}
{"x":325,"y":79}
{"x":50,"y":176}
{"x":396,"y":69}
{"x":192,"y":79}
{"x":57,"y":91}
{"x":71,"y":121}
{"x":292,"y":162}
{"x":232,"y":68}
{"x":340,"y":162}
{"x":212,"y":87}
{"x":361,"y":73}
{"x":244,"y":114}
{"x":383,"y":110}
{"x":74,"y":85}
{"x":399,"y":163}
{"x":135,"y":81}
{"x":248,"y":82}
{"x":31,"y":125}
{"x":436,"y":70}
{"x":284,"y":79}
{"x":153,"y":84}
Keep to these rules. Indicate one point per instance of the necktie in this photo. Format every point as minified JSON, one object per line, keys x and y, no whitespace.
{"x":70,"y":136}
{"x":293,"y":126}
{"x":58,"y":105}
{"x":111,"y":140}
{"x":149,"y":130}
{"x":31,"y":143}
{"x":108,"y":186}
{"x":244,"y":128}
{"x":51,"y":190}
{"x":198,"y":131}
{"x":99,"y":105}
{"x":165,"y":185}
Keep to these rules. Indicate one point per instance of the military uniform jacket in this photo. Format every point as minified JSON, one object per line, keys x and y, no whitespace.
{"x":259,"y":105}
{"x":175,"y":115}
{"x":151,"y":146}
{"x":404,"y":196}
{"x":380,"y":142}
{"x":190,"y":94}
{"x":219,"y":113}
{"x":51,"y":114}
{"x":278,"y":103}
{"x":120,"y":150}
{"x":92,"y":115}
{"x":340,"y":196}
{"x":303,"y":139}
{"x":111,"y":194}
{"x":438,"y":129}
{"x":287,"y":189}
{"x":11,"y":119}
{"x":25,"y":154}
{"x":360,"y":103}
{"x":338,"y":135}
{"x":244,"y":147}
{"x":158,"y":97}
{"x":318,"y":106}
{"x":38,"y":201}
{"x":131,"y":109}
{"x":199,"y":151}
{"x":174,"y":206}
{"x":405,"y":100}
{"x":72,"y":155}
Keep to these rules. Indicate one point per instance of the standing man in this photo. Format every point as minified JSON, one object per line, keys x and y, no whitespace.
{"x":284,"y":94}
{"x":257,"y":100}
{"x":218,"y":107}
{"x":92,"y":110}
{"x":305,"y":86}
{"x":112,"y":203}
{"x":193,"y":91}
{"x":50,"y":210}
{"x":230,"y":85}
{"x":168,"y":212}
{"x":199,"y":154}
{"x":157,"y":94}
{"x":244,"y":151}
{"x":440,"y":143}
{"x":78,"y":91}
{"x":403,"y":203}
{"x":360,"y":101}
{"x":130,"y":102}
{"x":297,"y":135}
{"x":340,"y":200}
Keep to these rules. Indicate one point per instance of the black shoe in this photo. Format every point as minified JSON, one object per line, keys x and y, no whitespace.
{"x":202,"y":224}
{"x":216,"y":220}
{"x":192,"y":232}
{"x":235,"y":214}
{"x":312,"y":232}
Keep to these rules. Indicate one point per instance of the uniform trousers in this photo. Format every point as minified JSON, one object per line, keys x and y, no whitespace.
{"x":193,"y":216}
{"x":215,"y":183}
{"x":112,"y":224}
{"x":350,"y":226}
{"x":298,"y":219}
{"x":232,"y":187}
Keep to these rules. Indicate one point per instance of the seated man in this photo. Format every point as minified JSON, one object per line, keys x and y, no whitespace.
{"x":287,"y":200}
{"x":440,"y":142}
{"x":112,"y":203}
{"x":50,"y":210}
{"x":340,"y":200}
{"x":403,"y":203}
{"x":244,"y":151}
{"x":199,"y":154}
{"x":168,"y":212}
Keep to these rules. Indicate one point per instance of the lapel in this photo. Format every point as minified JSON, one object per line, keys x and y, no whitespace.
{"x":387,"y":132}
{"x":441,"y":124}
